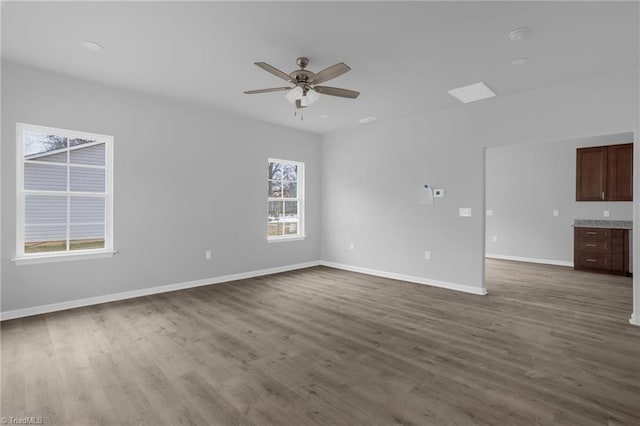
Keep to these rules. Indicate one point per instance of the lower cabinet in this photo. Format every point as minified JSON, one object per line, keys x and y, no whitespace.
{"x":601,"y":250}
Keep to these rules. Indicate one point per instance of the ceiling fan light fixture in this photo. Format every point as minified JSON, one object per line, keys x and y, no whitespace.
{"x":312,"y":96}
{"x":294,"y":94}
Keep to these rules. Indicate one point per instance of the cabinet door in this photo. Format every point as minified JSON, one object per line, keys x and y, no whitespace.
{"x":620,"y":172}
{"x":591,"y":174}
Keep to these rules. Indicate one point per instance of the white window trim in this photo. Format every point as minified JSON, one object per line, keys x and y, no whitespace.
{"x":23,"y":258}
{"x":301,"y":235}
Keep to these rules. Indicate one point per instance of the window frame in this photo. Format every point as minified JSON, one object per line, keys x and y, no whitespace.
{"x":300,"y":181}
{"x":22,"y":258}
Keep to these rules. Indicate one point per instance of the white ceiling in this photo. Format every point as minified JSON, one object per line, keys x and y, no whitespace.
{"x":404,"y":55}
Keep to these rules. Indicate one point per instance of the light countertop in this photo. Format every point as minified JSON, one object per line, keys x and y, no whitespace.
{"x":597,"y":223}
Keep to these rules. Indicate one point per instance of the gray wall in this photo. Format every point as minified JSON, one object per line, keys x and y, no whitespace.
{"x":186,"y":179}
{"x":371,"y":176}
{"x":525,"y":183}
{"x":183,"y":166}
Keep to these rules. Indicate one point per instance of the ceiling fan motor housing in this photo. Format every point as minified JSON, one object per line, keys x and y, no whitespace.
{"x":302,"y":76}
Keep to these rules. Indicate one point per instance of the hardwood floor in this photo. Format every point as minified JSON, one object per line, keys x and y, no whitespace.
{"x":548,"y":346}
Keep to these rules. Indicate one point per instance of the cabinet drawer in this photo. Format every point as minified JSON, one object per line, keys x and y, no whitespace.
{"x":598,"y":261}
{"x":593,"y":245}
{"x":588,"y":233}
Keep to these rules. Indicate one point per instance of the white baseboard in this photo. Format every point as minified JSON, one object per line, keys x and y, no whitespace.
{"x":635,"y":319}
{"x":43,"y":309}
{"x":530,"y":260}
{"x":54,"y":307}
{"x":410,"y":278}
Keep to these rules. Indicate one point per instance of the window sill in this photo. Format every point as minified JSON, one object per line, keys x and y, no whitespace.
{"x":283,"y":239}
{"x":61,"y":257}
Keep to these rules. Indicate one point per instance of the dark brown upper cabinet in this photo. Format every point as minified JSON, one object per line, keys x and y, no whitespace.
{"x":605,"y":173}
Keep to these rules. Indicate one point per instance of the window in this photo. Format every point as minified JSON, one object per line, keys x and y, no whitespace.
{"x":64,"y":193}
{"x":285,"y":218}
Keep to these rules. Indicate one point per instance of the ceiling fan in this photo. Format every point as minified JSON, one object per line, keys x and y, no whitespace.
{"x":305,"y":88}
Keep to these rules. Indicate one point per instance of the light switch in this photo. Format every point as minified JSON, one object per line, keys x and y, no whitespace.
{"x":495,"y":238}
{"x":489,"y":212}
{"x":605,"y":213}
{"x":556,"y":212}
{"x":465,"y":211}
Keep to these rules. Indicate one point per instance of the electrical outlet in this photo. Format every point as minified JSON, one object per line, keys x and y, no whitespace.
{"x":352,"y":246}
{"x":605,"y":213}
{"x":438,"y":193}
{"x":427,"y":255}
{"x":494,"y":238}
{"x":556,"y":213}
{"x":465,"y":212}
{"x":207,"y":254}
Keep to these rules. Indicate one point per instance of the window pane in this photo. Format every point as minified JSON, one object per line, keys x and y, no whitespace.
{"x":40,"y":209}
{"x":94,"y":155}
{"x":275,"y":229}
{"x":289,"y":172}
{"x":275,"y":171}
{"x":291,"y":227}
{"x":45,"y":177}
{"x":78,"y":141}
{"x":39,"y":144}
{"x":275,"y":211}
{"x":275,"y":189}
{"x":45,"y":238}
{"x":87,"y":179}
{"x":290,"y":190}
{"x":290,"y":219}
{"x":88,"y":244}
{"x":291,"y":208}
{"x":86,"y":237}
{"x":60,"y":157}
{"x":87,"y":209}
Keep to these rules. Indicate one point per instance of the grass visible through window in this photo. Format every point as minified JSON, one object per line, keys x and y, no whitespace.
{"x":61,"y":246}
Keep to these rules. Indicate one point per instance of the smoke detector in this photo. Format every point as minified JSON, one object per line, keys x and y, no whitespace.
{"x":518,"y":33}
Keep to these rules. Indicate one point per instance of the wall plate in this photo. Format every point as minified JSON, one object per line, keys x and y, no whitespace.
{"x":465,"y":212}
{"x":438,"y":193}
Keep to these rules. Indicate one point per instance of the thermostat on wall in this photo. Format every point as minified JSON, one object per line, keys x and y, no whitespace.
{"x":438,"y":193}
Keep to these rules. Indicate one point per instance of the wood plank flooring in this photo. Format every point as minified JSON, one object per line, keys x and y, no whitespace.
{"x":547,"y":346}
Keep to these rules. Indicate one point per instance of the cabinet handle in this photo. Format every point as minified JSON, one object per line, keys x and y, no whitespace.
{"x":591,"y":233}
{"x":592,"y":260}
{"x":591,"y":245}
{"x":603,"y":195}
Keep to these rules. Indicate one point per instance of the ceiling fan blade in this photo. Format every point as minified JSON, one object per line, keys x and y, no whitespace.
{"x":328,"y":73}
{"x":275,"y":89}
{"x":274,"y":71}
{"x":299,"y":104}
{"x":335,"y":91}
